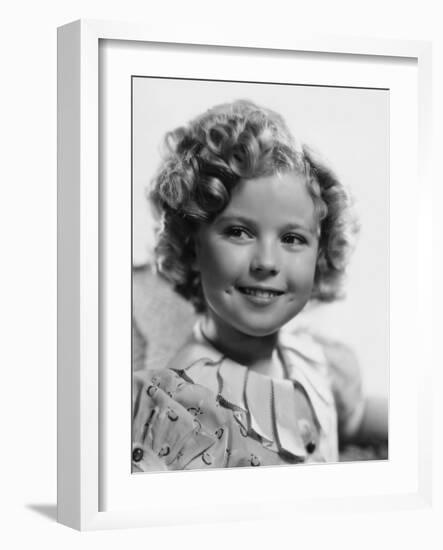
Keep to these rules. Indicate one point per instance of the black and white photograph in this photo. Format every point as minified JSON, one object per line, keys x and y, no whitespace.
{"x":260,"y":274}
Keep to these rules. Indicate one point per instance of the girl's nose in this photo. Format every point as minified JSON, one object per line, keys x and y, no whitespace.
{"x":265,"y":261}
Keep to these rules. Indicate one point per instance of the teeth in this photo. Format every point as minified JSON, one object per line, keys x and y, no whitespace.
{"x":257,"y":292}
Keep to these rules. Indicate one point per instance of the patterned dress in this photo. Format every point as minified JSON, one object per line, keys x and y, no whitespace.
{"x":211,"y":412}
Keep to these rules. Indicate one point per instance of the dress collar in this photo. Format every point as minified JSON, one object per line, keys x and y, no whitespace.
{"x":272,"y":406}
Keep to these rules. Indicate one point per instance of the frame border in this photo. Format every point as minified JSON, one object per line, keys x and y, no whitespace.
{"x":78,"y":250}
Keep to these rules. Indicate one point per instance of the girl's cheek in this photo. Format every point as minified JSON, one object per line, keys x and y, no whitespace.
{"x":302,"y":271}
{"x":226,"y":252}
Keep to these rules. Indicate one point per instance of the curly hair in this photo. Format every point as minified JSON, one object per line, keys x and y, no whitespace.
{"x":207,"y":158}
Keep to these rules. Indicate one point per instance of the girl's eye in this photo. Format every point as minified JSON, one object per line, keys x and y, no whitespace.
{"x":238,"y":233}
{"x":293,"y":239}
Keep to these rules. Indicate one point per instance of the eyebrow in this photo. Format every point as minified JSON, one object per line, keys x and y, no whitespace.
{"x":233,"y":218}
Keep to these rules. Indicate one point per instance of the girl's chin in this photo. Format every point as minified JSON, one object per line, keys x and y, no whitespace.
{"x":259,"y":331}
{"x":255,"y":324}
{"x":246,"y":328}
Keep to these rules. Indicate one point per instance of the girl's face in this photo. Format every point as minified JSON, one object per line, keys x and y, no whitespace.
{"x":257,"y":259}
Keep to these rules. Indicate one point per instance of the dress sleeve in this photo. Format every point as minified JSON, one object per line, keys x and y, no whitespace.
{"x":177,"y":424}
{"x":346,"y":383}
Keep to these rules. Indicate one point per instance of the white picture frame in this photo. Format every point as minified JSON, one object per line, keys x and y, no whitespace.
{"x":82,"y":303}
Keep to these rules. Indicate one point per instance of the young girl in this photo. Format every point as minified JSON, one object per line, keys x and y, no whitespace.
{"x":253,"y":227}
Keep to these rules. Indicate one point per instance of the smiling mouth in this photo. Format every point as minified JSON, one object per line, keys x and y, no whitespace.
{"x":257,"y":292}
